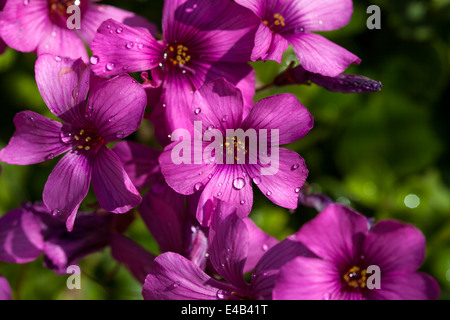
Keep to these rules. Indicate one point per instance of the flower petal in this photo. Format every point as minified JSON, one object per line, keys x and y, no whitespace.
{"x":319,"y":15}
{"x":62,"y":42}
{"x":140,"y":162}
{"x":138,"y":260}
{"x":176,"y":278}
{"x":230,"y":184}
{"x":185,"y":178}
{"x":319,"y":55}
{"x":282,"y":112}
{"x":67,"y":186}
{"x":405,"y":286}
{"x":96,"y":14}
{"x":268,"y":267}
{"x":23,"y":26}
{"x":35,"y":140}
{"x":306,"y":278}
{"x":282,"y":181}
{"x":395,"y":246}
{"x":164,"y":223}
{"x":259,"y":243}
{"x":21,"y":240}
{"x":63,"y":84}
{"x":112,"y":186}
{"x":228,"y":247}
{"x":5,"y":289}
{"x":132,"y":49}
{"x":218,"y":104}
{"x":117,"y":106}
{"x":336,"y":234}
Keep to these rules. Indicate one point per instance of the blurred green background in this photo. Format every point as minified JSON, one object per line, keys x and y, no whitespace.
{"x":385,"y":154}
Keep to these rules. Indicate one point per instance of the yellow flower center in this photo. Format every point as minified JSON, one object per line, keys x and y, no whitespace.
{"x":355,"y":277}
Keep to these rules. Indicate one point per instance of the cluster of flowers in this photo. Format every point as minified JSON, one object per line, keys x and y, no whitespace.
{"x":197,"y":70}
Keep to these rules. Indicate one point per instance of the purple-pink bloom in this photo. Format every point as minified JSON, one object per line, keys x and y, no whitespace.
{"x":202,"y":41}
{"x":3,"y":45}
{"x":291,"y":22}
{"x":31,"y":230}
{"x":346,"y":246}
{"x":230,"y":243}
{"x":218,"y":106}
{"x":5,"y":289}
{"x":113,"y":110}
{"x":41,"y":25}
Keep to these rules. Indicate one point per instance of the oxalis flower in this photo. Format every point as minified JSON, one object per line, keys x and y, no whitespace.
{"x":357,"y":261}
{"x":232,"y":242}
{"x":226,"y":167}
{"x":113,"y":111}
{"x":202,"y":40}
{"x":42,"y":25}
{"x":290,"y":22}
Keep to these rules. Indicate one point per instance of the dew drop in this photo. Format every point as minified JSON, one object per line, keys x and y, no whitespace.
{"x":210,"y":127}
{"x":129,"y":45}
{"x":120,"y":134}
{"x":108,"y":26}
{"x":198,"y":186}
{"x":110,"y":66}
{"x":207,"y":255}
{"x":265,"y":247}
{"x":320,"y":22}
{"x":257,"y":180}
{"x":242,"y":202}
{"x":225,"y":118}
{"x":176,"y":284}
{"x":58,"y":59}
{"x":31,"y":119}
{"x":210,"y":176}
{"x":50,"y":156}
{"x":140,"y":46}
{"x":197,"y":110}
{"x":57,"y":212}
{"x":238,"y":183}
{"x":94,"y":60}
{"x":219,"y":194}
{"x":297,"y":190}
{"x":119,"y":30}
{"x":112,"y":118}
{"x":222,"y":294}
{"x":295,"y":167}
{"x":269,"y":193}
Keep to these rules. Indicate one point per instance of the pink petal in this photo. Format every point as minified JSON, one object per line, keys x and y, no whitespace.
{"x":283,"y":112}
{"x":35,"y":140}
{"x":132,"y":49}
{"x":67,"y":186}
{"x":63,"y":84}
{"x":283,"y":178}
{"x":118,"y":107}
{"x":111,"y":184}
{"x":319,"y":55}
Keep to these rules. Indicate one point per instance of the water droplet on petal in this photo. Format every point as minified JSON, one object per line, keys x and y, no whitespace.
{"x":119,"y":30}
{"x":269,"y":193}
{"x":176,"y":284}
{"x":198,"y":186}
{"x":58,"y":59}
{"x":26,"y":2}
{"x":50,"y":156}
{"x":207,"y":255}
{"x":197,"y":110}
{"x":210,"y":176}
{"x":120,"y":134}
{"x":222,"y":294}
{"x":238,"y":183}
{"x":219,"y":194}
{"x":94,"y":60}
{"x":225,"y":118}
{"x":140,"y":46}
{"x":110,"y":66}
{"x":297,"y":190}
{"x":129,"y":45}
{"x":242,"y":202}
{"x":265,"y":247}
{"x":31,"y":119}
{"x":210,"y":127}
{"x":57,"y":212}
{"x":112,"y":118}
{"x":257,"y":180}
{"x":295,"y":167}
